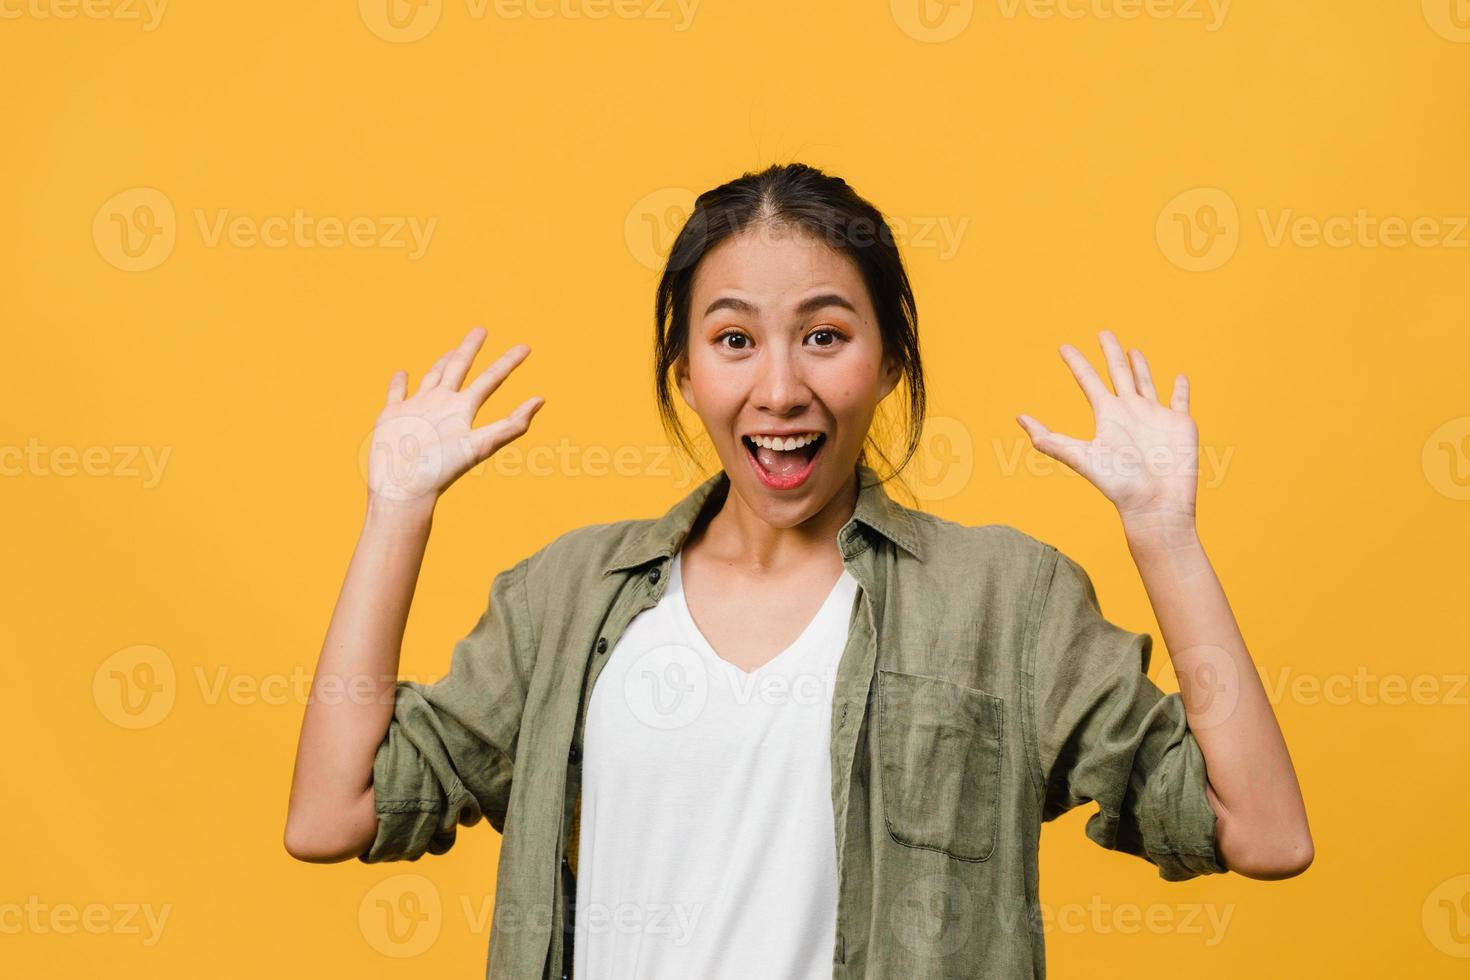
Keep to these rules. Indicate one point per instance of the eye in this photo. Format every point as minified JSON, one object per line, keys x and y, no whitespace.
{"x":833,"y":334}
{"x":732,"y":333}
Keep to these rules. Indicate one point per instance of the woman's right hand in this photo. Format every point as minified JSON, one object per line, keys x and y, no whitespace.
{"x":422,"y":444}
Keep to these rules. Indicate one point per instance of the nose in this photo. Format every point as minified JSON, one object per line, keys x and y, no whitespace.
{"x":779,"y":386}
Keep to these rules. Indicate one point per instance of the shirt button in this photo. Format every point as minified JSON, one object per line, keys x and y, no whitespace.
{"x":602,"y":644}
{"x":653,"y":574}
{"x":575,"y":755}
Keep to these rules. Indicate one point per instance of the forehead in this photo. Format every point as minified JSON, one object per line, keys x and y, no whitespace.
{"x":777,"y":262}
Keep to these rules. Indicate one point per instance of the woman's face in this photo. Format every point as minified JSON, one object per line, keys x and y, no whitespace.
{"x":783,"y":341}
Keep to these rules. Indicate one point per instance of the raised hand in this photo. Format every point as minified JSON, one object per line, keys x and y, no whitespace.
{"x":1143,"y":456}
{"x":423,"y":443}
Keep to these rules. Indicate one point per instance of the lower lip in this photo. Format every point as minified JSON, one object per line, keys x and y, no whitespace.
{"x":783,"y":482}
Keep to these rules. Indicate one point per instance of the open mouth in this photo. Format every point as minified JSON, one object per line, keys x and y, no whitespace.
{"x":782,"y":468}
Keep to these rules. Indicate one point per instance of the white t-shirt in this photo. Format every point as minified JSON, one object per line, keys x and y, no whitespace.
{"x":706,"y":847}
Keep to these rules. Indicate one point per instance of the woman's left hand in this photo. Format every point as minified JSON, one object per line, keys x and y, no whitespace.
{"x":1144,"y":456}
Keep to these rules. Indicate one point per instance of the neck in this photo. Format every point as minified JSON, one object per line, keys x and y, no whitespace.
{"x":738,"y":535}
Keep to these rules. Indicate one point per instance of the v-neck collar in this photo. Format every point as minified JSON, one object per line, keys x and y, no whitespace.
{"x":844,"y":586}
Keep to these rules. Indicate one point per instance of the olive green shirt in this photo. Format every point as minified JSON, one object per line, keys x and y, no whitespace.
{"x":981,"y":693}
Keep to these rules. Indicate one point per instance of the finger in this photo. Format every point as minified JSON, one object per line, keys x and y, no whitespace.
{"x":1118,"y":368}
{"x":489,"y":379}
{"x":396,"y":386}
{"x":431,"y":377}
{"x":461,"y":359}
{"x":1068,"y":450}
{"x":1092,"y":385}
{"x":1142,"y":375}
{"x":487,"y":440}
{"x":1179,"y":401}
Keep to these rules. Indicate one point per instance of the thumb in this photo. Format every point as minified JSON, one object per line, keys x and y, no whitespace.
{"x":1059,"y":447}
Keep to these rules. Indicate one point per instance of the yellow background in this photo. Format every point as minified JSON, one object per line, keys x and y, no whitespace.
{"x":555,"y":155}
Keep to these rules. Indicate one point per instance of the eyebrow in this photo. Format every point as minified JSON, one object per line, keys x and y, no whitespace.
{"x":806,"y":306}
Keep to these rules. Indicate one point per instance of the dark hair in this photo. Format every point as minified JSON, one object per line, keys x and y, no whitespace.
{"x":824,"y":206}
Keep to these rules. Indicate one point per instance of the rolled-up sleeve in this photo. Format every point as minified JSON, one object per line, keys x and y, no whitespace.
{"x":1099,"y":729}
{"x":448,"y":755}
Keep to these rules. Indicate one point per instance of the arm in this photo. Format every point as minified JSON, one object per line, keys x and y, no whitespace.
{"x":331,"y":814}
{"x":1144,"y":458}
{"x":1262,"y":826}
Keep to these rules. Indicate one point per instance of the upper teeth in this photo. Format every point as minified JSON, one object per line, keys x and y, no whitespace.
{"x":787,"y":444}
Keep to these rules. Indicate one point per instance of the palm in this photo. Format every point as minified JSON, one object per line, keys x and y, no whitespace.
{"x":1143,"y":455}
{"x":422,"y":444}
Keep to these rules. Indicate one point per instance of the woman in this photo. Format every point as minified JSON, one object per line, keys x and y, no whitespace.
{"x":673,"y":721}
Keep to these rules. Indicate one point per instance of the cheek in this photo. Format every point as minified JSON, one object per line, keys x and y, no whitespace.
{"x":853,"y":386}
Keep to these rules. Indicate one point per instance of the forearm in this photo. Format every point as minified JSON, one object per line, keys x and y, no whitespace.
{"x":352,"y":691}
{"x":1262,"y":827}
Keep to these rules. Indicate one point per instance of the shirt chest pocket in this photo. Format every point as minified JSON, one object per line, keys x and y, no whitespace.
{"x":939,"y":754}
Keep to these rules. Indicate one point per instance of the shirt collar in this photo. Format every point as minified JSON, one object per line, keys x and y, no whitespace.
{"x":665,"y":536}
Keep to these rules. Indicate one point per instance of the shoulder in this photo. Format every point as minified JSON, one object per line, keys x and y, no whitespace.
{"x":1000,"y":549}
{"x":582,"y":551}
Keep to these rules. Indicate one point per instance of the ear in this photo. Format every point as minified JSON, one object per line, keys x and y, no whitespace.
{"x":892,"y":372}
{"x":681,"y":374}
